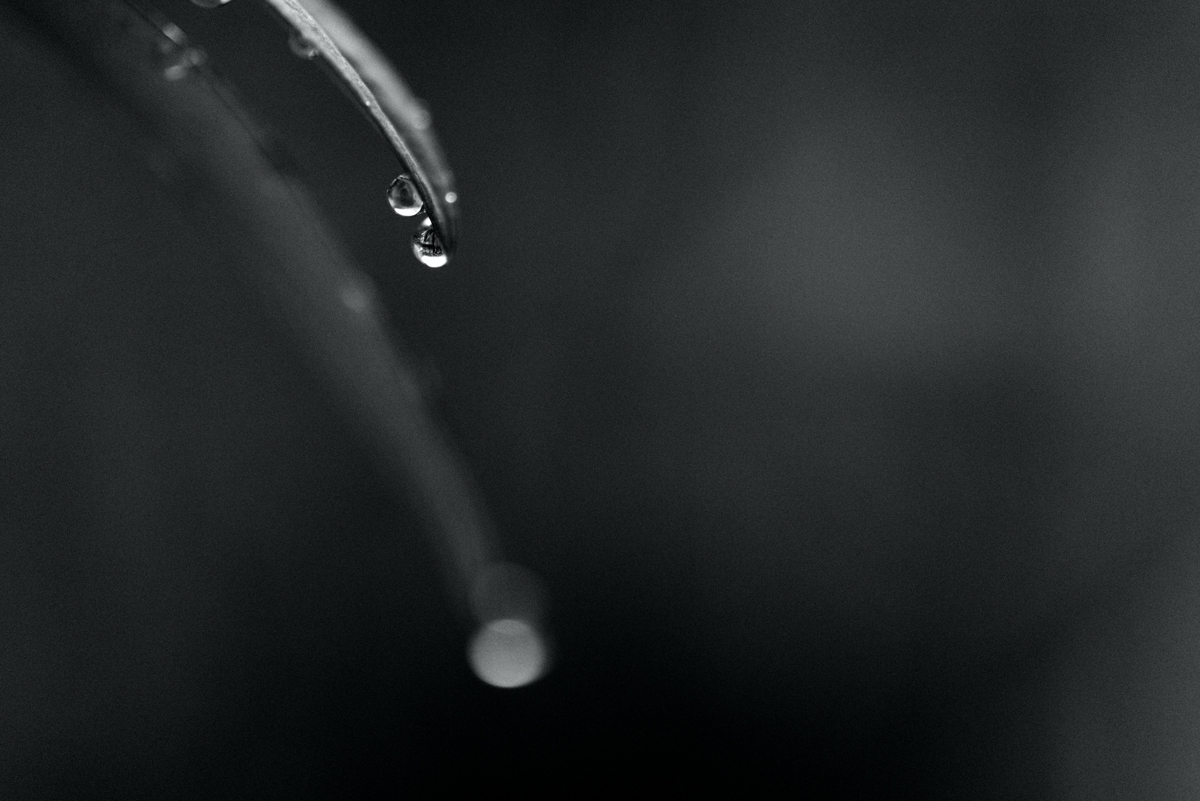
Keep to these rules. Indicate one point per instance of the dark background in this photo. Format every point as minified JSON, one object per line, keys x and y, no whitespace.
{"x":832,"y":363}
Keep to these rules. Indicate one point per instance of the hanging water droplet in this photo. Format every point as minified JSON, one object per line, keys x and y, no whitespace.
{"x":302,"y":46}
{"x":403,"y":196}
{"x":428,"y":247}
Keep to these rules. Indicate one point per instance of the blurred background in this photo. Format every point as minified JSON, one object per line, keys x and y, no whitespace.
{"x":833,"y":364}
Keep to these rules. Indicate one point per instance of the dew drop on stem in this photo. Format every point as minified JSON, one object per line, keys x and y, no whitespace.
{"x":427,"y":246}
{"x":403,"y":197}
{"x":302,"y":46}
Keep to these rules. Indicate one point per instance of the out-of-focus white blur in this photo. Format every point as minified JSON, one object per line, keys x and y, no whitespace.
{"x":508,"y":653}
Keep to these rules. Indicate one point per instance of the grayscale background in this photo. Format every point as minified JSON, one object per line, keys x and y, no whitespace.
{"x":834,"y":363}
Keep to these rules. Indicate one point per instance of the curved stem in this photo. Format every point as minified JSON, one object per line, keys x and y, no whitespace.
{"x":404,"y":122}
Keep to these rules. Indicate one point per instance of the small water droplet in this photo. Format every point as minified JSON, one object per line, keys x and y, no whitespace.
{"x":451,"y":197}
{"x":209,"y":3}
{"x":178,"y":62}
{"x":403,"y":196}
{"x":302,"y":46}
{"x":428,"y":247}
{"x":173,"y":33}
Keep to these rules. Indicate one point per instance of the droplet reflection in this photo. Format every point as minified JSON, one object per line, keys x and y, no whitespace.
{"x":508,"y":653}
{"x":427,"y":247}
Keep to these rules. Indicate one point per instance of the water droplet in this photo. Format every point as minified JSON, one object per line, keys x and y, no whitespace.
{"x":451,"y":197}
{"x":178,"y":62}
{"x":428,"y":247}
{"x":209,"y":3}
{"x":403,"y":196}
{"x":302,"y":46}
{"x":174,"y":34}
